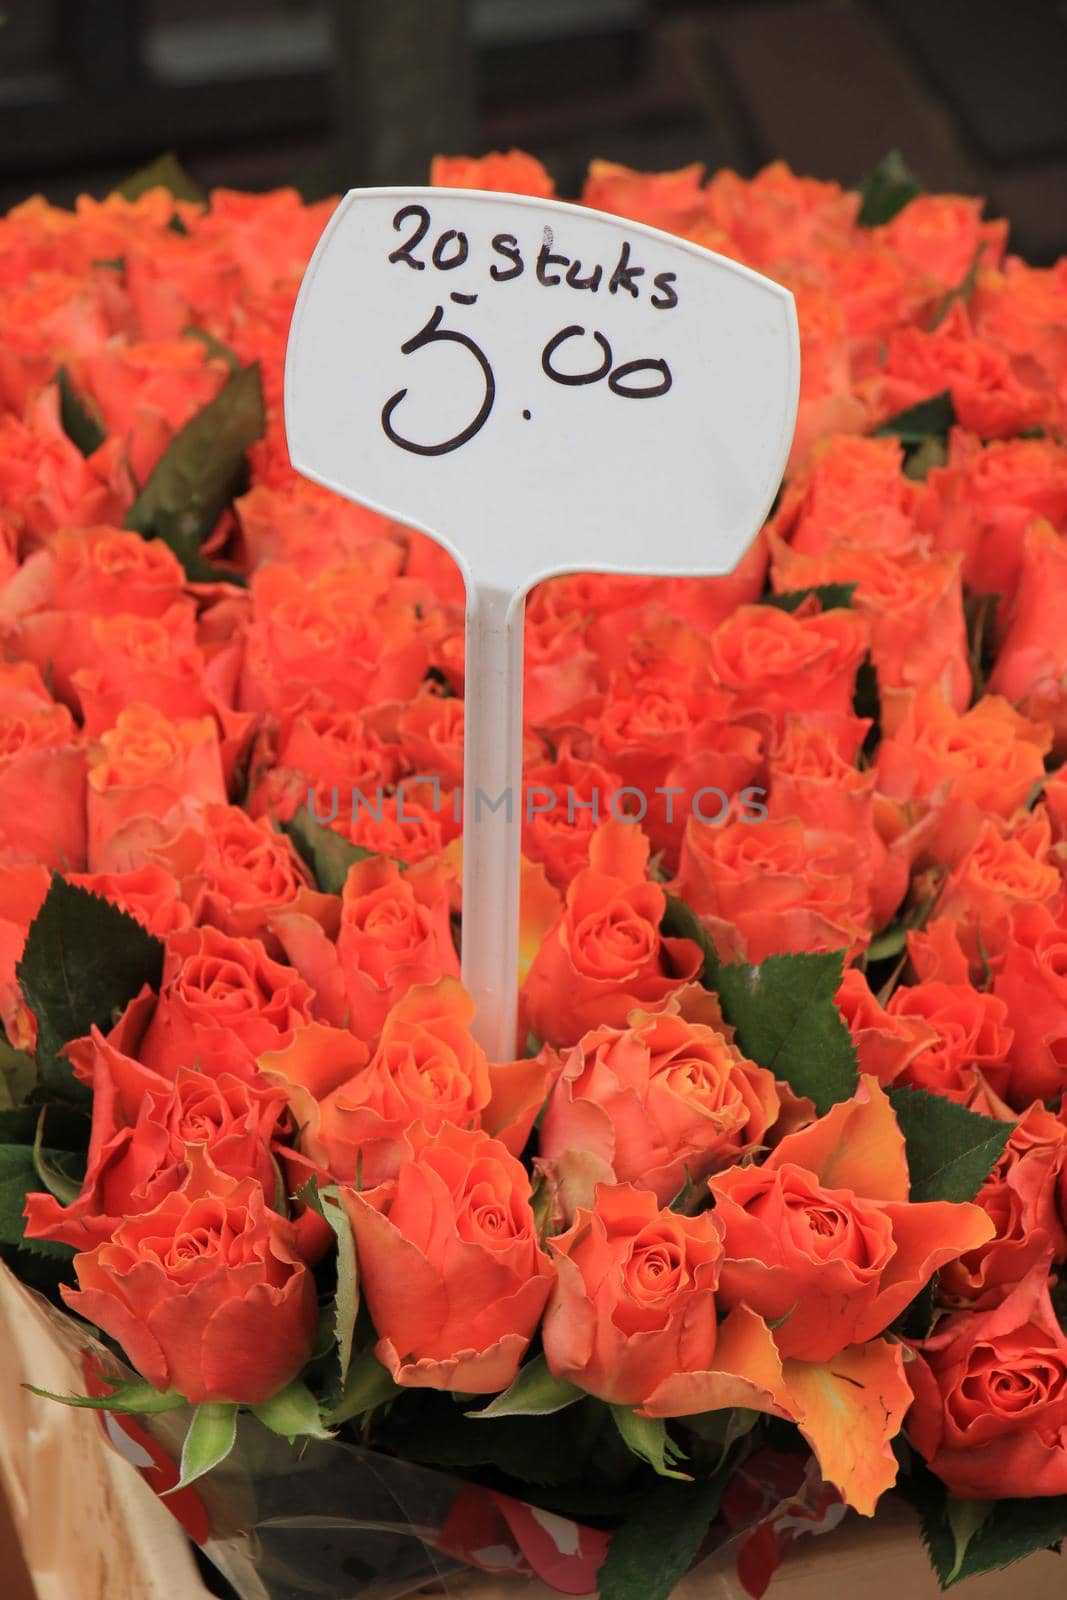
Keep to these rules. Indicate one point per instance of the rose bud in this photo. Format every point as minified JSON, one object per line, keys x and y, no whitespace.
{"x":822,"y":1239}
{"x":206,"y":1294}
{"x":990,"y":1412}
{"x":449,"y":1262}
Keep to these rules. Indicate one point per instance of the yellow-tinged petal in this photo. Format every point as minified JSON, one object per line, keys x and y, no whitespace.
{"x":540,"y":904}
{"x":540,"y":907}
{"x":857,"y":1145}
{"x":747,"y":1372}
{"x":850,"y":1409}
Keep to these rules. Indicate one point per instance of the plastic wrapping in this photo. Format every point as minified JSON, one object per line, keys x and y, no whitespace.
{"x":327,"y":1519}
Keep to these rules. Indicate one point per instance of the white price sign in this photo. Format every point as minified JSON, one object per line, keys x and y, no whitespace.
{"x":541,"y":388}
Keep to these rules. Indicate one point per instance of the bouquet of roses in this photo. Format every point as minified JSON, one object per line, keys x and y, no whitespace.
{"x":770,"y":1204}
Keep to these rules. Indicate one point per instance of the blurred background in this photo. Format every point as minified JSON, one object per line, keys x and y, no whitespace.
{"x":324,"y":94}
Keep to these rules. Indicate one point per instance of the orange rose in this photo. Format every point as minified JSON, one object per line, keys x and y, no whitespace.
{"x":340,"y":632}
{"x":239,"y":873}
{"x":777,"y":662}
{"x":394,"y":933}
{"x":1020,"y":1195}
{"x":978,"y":765}
{"x":565,"y":800}
{"x":559,"y":666}
{"x":1031,"y":983}
{"x":606,"y":956}
{"x":45,"y":481}
{"x":914,"y":602}
{"x":1008,"y":865}
{"x":153,"y":661}
{"x":982,"y":502}
{"x":822,"y":1240}
{"x":222,"y":997}
{"x":270,"y":235}
{"x":634,"y":1299}
{"x":339,"y":755}
{"x":353,"y":1113}
{"x":779,"y":216}
{"x":206,"y":1294}
{"x":1024,"y":309}
{"x":512,"y":173}
{"x":82,"y":573}
{"x":658,"y":1104}
{"x":176,"y":281}
{"x":457,"y":1235}
{"x":142,"y":1124}
{"x":879,"y":292}
{"x":885,"y":1042}
{"x":971,"y":1039}
{"x":430,"y":732}
{"x":941,"y":235}
{"x":148,"y":777}
{"x":762,"y":888}
{"x":990,"y":1412}
{"x":1031,"y":664}
{"x":851,"y":489}
{"x":987,"y":397}
{"x":810,"y":780}
{"x":42,"y":774}
{"x":49,"y":313}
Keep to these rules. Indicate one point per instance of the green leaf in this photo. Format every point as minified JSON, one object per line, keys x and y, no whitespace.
{"x":308,"y":1195}
{"x":18,"y":1075}
{"x":656,"y":1544}
{"x":84,"y":961}
{"x":535,"y":1393}
{"x":367,"y":1386}
{"x":81,"y":424}
{"x":19,"y":1125}
{"x":137,"y":1398}
{"x":213,"y":346}
{"x":346,"y":1300}
{"x":965,"y":1518}
{"x":209,"y":1441}
{"x":165,"y":172}
{"x":648,"y":1438}
{"x":294,"y":1413}
{"x":56,"y":1169}
{"x":929,"y":419}
{"x":887,"y":190}
{"x":200,"y":472}
{"x":889,"y":943}
{"x":1010,"y":1531}
{"x":18,"y":1178}
{"x":786,"y":1020}
{"x":327,"y":854}
{"x":951,"y":1151}
{"x":831,"y":597}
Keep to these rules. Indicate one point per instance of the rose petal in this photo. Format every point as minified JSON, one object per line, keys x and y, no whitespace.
{"x":857,"y":1145}
{"x":849,"y":1410}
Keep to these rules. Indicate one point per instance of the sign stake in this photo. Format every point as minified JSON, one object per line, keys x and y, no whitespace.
{"x":542,"y":389}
